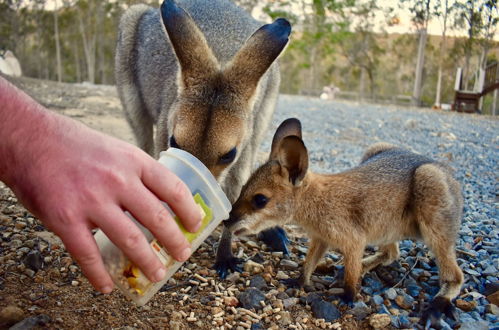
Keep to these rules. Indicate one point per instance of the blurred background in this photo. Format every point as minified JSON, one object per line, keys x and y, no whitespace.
{"x":399,"y":52}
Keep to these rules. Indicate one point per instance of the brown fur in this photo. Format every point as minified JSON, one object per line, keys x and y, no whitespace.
{"x":393,"y":194}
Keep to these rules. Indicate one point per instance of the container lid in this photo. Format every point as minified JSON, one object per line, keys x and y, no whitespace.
{"x":202,"y":171}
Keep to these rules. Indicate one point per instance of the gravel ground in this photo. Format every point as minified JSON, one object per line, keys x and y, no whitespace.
{"x":41,"y":286}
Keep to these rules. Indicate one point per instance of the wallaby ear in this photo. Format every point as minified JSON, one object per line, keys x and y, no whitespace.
{"x":289,"y":127}
{"x":257,"y":54}
{"x":194,"y":55}
{"x":292,"y":154}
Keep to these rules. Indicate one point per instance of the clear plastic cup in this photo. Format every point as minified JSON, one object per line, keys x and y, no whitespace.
{"x":209,"y":197}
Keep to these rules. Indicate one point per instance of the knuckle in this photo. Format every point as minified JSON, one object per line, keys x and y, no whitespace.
{"x":179,"y":192}
{"x":88,"y":260}
{"x":158,"y":220}
{"x":132,"y":240}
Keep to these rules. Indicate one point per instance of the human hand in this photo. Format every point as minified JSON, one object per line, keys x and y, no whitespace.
{"x":75,"y":179}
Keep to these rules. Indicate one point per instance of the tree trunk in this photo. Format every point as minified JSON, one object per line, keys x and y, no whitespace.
{"x":443,"y":49}
{"x":57,"y":45}
{"x":416,"y":95}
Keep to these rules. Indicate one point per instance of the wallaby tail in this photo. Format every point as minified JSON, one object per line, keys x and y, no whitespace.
{"x":126,"y":42}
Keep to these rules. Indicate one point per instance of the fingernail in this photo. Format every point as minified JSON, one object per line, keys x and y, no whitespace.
{"x":106,"y":289}
{"x":186,"y":253}
{"x":160,"y":274}
{"x":197,"y":226}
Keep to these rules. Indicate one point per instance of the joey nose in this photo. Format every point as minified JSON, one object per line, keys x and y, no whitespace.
{"x":231,"y":220}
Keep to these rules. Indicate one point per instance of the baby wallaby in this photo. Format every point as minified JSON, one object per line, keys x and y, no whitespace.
{"x":204,"y":74}
{"x":393,"y":194}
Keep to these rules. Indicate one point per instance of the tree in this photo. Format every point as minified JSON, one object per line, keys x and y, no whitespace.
{"x":443,"y":11}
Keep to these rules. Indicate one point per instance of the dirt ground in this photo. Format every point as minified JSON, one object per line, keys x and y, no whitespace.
{"x":40,"y":283}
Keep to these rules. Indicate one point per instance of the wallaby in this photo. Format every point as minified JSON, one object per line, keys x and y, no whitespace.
{"x":204,"y":73}
{"x":393,"y":194}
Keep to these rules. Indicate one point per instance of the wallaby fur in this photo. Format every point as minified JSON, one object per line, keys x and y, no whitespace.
{"x":202,"y":75}
{"x":393,"y":194}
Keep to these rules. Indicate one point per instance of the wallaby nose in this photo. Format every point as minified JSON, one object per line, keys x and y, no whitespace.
{"x":231,"y":220}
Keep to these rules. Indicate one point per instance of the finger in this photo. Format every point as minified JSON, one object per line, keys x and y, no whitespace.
{"x":170,"y":189}
{"x":153,"y":215}
{"x":125,"y":234}
{"x":80,"y":243}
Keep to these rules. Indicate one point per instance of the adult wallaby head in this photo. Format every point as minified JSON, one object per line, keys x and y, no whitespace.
{"x":205,"y":74}
{"x":211,"y":115}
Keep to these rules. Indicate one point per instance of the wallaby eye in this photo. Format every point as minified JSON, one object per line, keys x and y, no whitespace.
{"x":173,"y":143}
{"x":228,"y":157}
{"x":259,"y":201}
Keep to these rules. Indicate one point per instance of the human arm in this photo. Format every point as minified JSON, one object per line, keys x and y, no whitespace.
{"x":75,"y":179}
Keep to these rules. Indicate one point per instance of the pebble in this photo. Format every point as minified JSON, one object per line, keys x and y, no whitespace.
{"x":325,"y":310}
{"x":391,"y":294}
{"x":466,"y":306}
{"x":360,"y":310}
{"x":251,"y":298}
{"x":287,"y":264}
{"x":10,"y":315}
{"x":233,"y":277}
{"x":282,"y":275}
{"x":253,"y":267}
{"x":474,"y":325}
{"x":258,"y":282}
{"x":34,"y":260}
{"x":405,"y":301}
{"x":289,"y":302}
{"x":379,"y":321}
{"x":31,"y":322}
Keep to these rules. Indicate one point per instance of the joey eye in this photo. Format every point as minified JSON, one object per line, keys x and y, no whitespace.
{"x":228,"y":157}
{"x":259,"y":201}
{"x":173,"y":143}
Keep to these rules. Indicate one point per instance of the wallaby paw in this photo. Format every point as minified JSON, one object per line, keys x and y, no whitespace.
{"x":348,"y":297}
{"x":223,"y":266}
{"x":276,"y":239}
{"x":433,"y":313}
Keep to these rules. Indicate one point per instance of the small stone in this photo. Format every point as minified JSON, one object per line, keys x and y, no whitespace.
{"x":360,"y":310}
{"x":288,"y":264}
{"x":47,"y":259}
{"x":15,"y":243}
{"x":379,"y":321}
{"x":377,"y":300}
{"x":494,"y":298}
{"x":233,"y":277}
{"x":325,"y":310}
{"x":75,"y":283}
{"x":10,"y":315}
{"x":282,"y":275}
{"x":29,"y":272}
{"x":20,"y":225}
{"x":466,"y":306}
{"x":492,"y":309}
{"x":285,"y":319}
{"x":231,"y":301}
{"x":405,"y":301}
{"x":490,"y":271}
{"x":391,"y":294}
{"x":258,"y":282}
{"x":289,"y":302}
{"x":253,"y":267}
{"x":31,"y":322}
{"x":474,"y":325}
{"x":34,"y":260}
{"x":251,"y":298}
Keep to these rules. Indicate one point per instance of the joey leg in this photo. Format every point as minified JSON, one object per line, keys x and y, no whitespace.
{"x":225,"y":260}
{"x":276,"y":239}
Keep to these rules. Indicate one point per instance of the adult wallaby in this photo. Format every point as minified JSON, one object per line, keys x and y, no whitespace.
{"x":209,"y":84}
{"x":393,"y":194}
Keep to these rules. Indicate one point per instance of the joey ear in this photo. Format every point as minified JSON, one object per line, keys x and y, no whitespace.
{"x":292,"y":154}
{"x":289,"y":127}
{"x":257,"y":55}
{"x":194,"y":55}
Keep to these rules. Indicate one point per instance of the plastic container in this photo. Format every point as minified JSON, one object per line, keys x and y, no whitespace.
{"x":207,"y":194}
